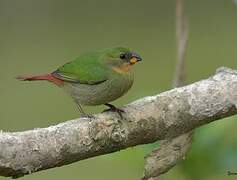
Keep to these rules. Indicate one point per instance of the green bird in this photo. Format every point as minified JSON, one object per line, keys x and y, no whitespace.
{"x":94,"y":78}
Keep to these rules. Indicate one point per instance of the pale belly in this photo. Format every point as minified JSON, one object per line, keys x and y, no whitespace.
{"x":99,"y":93}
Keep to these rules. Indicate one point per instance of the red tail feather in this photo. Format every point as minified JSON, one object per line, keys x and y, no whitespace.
{"x":45,"y":77}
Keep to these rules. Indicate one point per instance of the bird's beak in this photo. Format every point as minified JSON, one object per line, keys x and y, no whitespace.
{"x":135,"y":58}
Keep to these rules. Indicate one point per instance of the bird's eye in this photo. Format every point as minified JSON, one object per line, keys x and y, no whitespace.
{"x":122,"y":56}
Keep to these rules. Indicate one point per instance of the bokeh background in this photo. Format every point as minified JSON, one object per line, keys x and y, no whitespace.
{"x":39,"y":36}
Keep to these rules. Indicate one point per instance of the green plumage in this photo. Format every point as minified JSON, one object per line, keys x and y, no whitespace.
{"x":85,"y":69}
{"x":91,"y":68}
{"x":91,"y":79}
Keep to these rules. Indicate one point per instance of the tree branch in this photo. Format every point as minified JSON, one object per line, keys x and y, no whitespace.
{"x":166,"y":156}
{"x":167,"y":151}
{"x":149,"y":119}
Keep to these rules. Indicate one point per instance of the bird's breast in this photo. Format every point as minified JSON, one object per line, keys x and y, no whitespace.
{"x":107,"y":91}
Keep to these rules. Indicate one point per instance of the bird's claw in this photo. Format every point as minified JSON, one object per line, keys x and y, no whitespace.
{"x":117,"y":110}
{"x":90,"y":116}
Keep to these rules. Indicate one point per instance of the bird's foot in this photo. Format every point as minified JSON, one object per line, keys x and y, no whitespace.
{"x":114,"y":109}
{"x":85,"y":115}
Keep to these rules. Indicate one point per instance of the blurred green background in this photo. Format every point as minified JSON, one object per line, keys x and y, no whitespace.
{"x":39,"y":36}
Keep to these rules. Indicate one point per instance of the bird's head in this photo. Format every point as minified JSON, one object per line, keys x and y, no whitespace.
{"x":120,"y":57}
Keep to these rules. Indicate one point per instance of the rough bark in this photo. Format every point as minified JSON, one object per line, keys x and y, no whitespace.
{"x":166,"y":156}
{"x":163,"y":158}
{"x":149,"y":119}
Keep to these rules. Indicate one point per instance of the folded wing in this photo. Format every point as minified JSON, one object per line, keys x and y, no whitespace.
{"x":84,"y":70}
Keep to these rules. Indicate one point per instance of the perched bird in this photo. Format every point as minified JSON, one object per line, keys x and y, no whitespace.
{"x":94,"y":78}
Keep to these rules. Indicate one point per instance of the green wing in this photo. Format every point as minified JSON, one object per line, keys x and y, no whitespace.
{"x":85,"y":69}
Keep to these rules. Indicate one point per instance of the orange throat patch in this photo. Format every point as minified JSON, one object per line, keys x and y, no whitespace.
{"x":126,"y":67}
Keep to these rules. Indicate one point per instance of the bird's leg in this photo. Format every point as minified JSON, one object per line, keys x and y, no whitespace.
{"x":83,"y":113}
{"x":115,"y":109}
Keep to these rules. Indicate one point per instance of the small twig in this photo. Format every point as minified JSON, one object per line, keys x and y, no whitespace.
{"x":235,"y":1}
{"x":182,"y":38}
